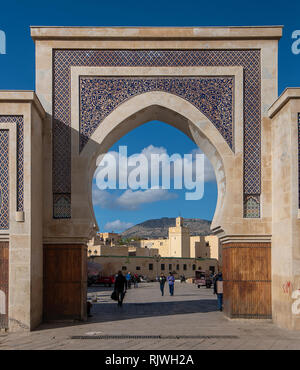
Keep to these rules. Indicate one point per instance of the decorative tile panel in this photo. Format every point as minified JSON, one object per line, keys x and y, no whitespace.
{"x":100,"y":96}
{"x":19,"y":121}
{"x":251,"y":206}
{"x":63,"y":59}
{"x":4,"y":179}
{"x":61,"y":204}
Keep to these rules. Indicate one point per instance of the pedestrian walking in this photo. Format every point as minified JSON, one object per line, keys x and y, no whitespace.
{"x":120,"y":288}
{"x":162,"y":281}
{"x":171,"y":281}
{"x":218,"y":290}
{"x":135,"y":281}
{"x":128,"y":279}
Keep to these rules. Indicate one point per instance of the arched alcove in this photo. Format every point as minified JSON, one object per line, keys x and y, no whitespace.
{"x":138,"y":110}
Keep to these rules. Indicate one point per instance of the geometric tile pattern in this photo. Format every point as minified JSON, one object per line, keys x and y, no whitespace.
{"x":100,"y":96}
{"x":62,"y":205}
{"x":4,"y":179}
{"x":63,"y":59}
{"x":19,"y":121}
{"x":251,"y":206}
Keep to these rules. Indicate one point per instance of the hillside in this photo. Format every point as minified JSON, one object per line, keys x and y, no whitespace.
{"x":158,"y":228}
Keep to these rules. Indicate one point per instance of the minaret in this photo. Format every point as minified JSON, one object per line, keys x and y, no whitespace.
{"x":179,"y":239}
{"x":179,"y":221}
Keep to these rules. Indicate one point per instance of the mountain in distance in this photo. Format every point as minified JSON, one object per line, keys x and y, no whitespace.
{"x":159,"y":228}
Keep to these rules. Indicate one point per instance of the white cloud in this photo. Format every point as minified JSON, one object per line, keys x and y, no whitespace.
{"x":153,"y":150}
{"x":117,"y":225}
{"x":134,"y":199}
{"x":130,"y":200}
{"x":103,"y":198}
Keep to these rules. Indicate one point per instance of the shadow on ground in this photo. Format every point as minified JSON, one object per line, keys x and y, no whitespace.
{"x":111,"y":312}
{"x":107,"y":310}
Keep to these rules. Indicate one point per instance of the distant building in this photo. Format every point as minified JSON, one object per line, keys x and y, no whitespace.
{"x":212,"y":242}
{"x":151,"y":266}
{"x":110,"y":238}
{"x":199,"y":247}
{"x":181,"y":244}
{"x":180,"y":253}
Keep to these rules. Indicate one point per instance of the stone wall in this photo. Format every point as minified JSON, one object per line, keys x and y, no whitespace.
{"x":285,"y":214}
{"x":22,"y":115}
{"x":140,"y":265}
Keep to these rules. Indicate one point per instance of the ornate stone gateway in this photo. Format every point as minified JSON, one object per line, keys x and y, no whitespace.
{"x":93,"y":85}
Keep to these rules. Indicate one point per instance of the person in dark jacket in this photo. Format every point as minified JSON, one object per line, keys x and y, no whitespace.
{"x":162,"y":281}
{"x":120,"y":287}
{"x":218,"y":290}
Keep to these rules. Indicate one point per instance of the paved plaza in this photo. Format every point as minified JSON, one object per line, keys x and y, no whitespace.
{"x":187,"y":321}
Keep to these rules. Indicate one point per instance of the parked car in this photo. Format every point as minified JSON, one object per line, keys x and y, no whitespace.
{"x":202,"y":278}
{"x":106,"y":280}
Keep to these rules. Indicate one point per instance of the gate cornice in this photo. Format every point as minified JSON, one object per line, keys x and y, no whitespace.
{"x":157,"y":33}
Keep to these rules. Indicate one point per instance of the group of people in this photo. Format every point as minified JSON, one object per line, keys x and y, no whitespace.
{"x":217,"y":280}
{"x":122,"y":283}
{"x":132,"y":279}
{"x":162,"y":281}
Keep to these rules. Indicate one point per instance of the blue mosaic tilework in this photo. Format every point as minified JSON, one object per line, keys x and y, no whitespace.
{"x":100,"y":96}
{"x":20,"y":156}
{"x":64,"y":59}
{"x":4,"y":179}
{"x":251,"y":206}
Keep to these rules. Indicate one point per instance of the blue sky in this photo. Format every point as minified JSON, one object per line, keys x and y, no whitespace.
{"x":162,"y":137}
{"x":17,"y":66}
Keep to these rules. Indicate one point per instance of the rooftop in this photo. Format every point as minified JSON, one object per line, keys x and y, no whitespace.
{"x":183,"y":33}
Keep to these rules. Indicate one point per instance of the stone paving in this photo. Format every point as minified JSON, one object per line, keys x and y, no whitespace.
{"x":187,"y":321}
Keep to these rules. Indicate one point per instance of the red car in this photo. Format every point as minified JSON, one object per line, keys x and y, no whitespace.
{"x":106,"y":280}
